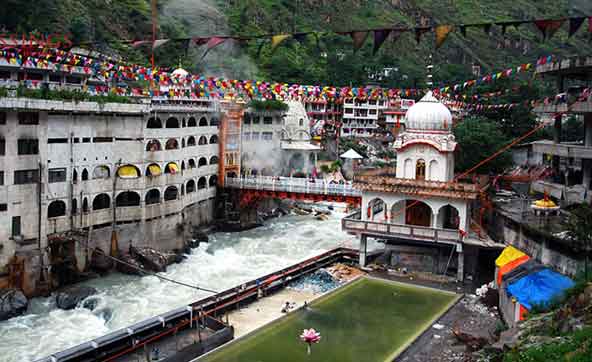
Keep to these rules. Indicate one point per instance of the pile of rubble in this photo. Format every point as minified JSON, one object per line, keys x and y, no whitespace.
{"x":343,"y":272}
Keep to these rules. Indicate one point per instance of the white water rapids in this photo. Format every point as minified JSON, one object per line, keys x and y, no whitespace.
{"x":227,"y":261}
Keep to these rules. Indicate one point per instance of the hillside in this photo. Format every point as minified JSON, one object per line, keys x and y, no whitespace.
{"x":328,"y":61}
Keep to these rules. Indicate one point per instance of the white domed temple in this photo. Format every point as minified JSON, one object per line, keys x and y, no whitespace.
{"x":418,"y":209}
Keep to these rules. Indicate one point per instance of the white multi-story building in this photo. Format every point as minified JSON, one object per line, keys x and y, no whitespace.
{"x":78,"y":175}
{"x":395,"y":114}
{"x":360,"y":117}
{"x":277,"y":142}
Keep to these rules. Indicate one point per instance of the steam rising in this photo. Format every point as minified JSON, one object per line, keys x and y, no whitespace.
{"x":203,"y":18}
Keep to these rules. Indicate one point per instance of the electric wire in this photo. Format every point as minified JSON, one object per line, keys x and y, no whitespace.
{"x":149,"y":272}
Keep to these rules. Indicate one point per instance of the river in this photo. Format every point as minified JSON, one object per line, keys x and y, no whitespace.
{"x":228,"y":260}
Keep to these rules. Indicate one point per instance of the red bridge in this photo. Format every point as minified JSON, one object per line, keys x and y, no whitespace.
{"x":255,"y":188}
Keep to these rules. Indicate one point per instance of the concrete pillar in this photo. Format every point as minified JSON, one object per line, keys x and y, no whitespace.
{"x":587,"y":173}
{"x":363,"y":248}
{"x":435,"y":221}
{"x":588,"y":130}
{"x":556,"y":139}
{"x":587,"y":163}
{"x":460,"y":274}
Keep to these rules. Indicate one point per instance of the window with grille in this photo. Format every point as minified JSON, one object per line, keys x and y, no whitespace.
{"x":28,"y":146}
{"x":22,"y":177}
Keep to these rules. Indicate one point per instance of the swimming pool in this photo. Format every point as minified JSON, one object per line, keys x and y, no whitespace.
{"x":366,"y":320}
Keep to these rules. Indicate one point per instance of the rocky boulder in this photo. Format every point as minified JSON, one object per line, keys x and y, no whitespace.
{"x":475,"y":339}
{"x":70,"y":297}
{"x":199,"y":236}
{"x":12,"y":303}
{"x":151,"y":259}
{"x":131,"y":265}
{"x":100,"y":263}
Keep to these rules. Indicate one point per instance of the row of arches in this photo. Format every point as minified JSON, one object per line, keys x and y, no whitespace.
{"x":173,"y":144}
{"x":102,"y":201}
{"x":413,"y":212}
{"x":421,"y":171}
{"x":132,"y":171}
{"x":174,"y":122}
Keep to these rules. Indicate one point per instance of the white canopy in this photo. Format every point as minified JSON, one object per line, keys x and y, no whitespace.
{"x":351,"y":154}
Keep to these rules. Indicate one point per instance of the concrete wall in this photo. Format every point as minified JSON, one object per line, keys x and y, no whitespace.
{"x":544,"y":251}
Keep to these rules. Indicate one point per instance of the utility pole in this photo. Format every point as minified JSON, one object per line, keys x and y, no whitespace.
{"x":430,"y":68}
{"x":297,"y":3}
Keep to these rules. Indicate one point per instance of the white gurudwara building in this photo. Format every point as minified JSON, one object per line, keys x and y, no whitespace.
{"x":419,"y":207}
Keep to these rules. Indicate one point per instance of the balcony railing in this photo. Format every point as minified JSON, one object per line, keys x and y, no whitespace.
{"x":353,"y":223}
{"x":288,"y":184}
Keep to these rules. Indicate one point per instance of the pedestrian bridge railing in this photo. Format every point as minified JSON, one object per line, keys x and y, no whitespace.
{"x":289,"y":184}
{"x":354,"y":224}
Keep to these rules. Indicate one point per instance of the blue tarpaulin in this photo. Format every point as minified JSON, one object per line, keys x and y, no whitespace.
{"x":539,"y":288}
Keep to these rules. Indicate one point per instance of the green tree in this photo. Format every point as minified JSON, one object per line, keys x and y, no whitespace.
{"x":478,"y":138}
{"x":579,"y":227}
{"x":573,"y":130}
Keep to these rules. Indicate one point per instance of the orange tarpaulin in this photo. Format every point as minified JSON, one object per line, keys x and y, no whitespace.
{"x":508,"y":267}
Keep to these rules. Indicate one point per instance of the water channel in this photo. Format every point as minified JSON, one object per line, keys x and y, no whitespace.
{"x":228,"y":260}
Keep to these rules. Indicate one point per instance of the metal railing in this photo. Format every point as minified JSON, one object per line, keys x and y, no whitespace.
{"x":288,"y":184}
{"x":354,"y":223}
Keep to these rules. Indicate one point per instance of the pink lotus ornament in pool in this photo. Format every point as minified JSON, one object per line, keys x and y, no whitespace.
{"x":310,"y":336}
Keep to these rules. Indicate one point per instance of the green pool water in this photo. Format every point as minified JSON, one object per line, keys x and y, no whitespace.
{"x":366,"y":320}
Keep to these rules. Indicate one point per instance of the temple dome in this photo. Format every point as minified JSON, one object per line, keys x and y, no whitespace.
{"x":428,"y":114}
{"x":180,"y":73}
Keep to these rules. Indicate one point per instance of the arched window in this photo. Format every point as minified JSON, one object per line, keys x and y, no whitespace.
{"x":191,"y":122}
{"x":74,"y":208}
{"x":433,"y":170}
{"x":214,"y":122}
{"x":85,"y":205}
{"x":153,"y":145}
{"x":101,"y":201}
{"x":152,"y":197}
{"x":202,"y":162}
{"x":203,"y":140}
{"x":172,"y":122}
{"x":171,"y":168}
{"x":201,"y":183}
{"x":191,"y":163}
{"x":214,"y":160}
{"x":213,"y":181}
{"x":101,"y":172}
{"x":182,"y":165}
{"x":184,"y":124}
{"x":214,"y":139}
{"x":127,"y":198}
{"x":84,"y":174}
{"x":190,"y":186}
{"x":153,"y":170}
{"x":74,"y":176}
{"x":128,"y":171}
{"x":448,"y":217}
{"x":420,"y":170}
{"x":154,"y":122}
{"x":171,"y":144}
{"x":56,"y":209}
{"x":203,"y":122}
{"x":182,"y":142}
{"x":171,"y":193}
{"x":182,"y":190}
{"x":190,"y":141}
{"x":377,"y":210}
